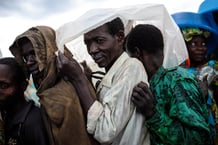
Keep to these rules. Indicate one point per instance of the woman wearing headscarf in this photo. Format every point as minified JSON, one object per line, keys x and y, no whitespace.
{"x":199,"y":37}
{"x":35,"y":50}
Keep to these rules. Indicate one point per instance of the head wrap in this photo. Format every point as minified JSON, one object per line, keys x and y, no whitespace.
{"x":188,"y":33}
{"x":58,"y":97}
{"x":192,"y":24}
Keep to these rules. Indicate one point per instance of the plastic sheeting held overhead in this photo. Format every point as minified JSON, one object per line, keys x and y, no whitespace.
{"x":71,"y":34}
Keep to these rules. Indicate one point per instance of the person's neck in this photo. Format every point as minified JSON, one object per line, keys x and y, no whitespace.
{"x":156,"y":62}
{"x":153,"y":69}
{"x":197,"y":64}
{"x":112,"y":62}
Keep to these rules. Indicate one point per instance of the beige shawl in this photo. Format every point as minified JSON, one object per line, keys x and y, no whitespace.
{"x":58,"y":96}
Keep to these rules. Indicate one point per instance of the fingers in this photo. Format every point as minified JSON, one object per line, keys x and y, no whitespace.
{"x":61,"y":62}
{"x":141,"y":95}
{"x":144,"y":91}
{"x":137,"y":97}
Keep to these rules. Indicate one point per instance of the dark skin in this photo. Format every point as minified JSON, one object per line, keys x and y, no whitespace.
{"x":29,"y":58}
{"x":104,"y":49}
{"x":11,"y":91}
{"x":197,"y":50}
{"x":142,"y":96}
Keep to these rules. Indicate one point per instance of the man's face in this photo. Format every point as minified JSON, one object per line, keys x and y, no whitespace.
{"x":29,"y":58}
{"x":102,"y":46}
{"x":9,"y":88}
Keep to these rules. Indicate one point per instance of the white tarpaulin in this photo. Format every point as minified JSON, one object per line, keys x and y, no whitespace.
{"x":71,"y":34}
{"x":0,"y":53}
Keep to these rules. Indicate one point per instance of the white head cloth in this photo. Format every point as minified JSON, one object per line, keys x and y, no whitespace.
{"x":71,"y":34}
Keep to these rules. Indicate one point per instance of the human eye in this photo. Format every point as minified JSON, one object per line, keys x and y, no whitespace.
{"x":193,"y":44}
{"x":100,"y":40}
{"x":203,"y":44}
{"x":4,"y":85}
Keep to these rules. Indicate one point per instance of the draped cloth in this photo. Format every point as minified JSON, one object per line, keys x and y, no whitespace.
{"x":57,"y":96}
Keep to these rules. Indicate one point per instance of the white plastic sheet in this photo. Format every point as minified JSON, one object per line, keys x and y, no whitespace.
{"x":0,"y":53}
{"x":71,"y":34}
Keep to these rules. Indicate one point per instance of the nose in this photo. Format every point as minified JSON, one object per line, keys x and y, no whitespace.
{"x":30,"y":59}
{"x":202,"y":47}
{"x":93,"y":48}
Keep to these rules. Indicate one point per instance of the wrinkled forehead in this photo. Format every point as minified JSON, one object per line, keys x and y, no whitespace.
{"x":99,"y":31}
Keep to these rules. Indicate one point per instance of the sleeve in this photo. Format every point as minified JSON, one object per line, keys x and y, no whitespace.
{"x":35,"y":132}
{"x":108,"y":117}
{"x":186,"y":119}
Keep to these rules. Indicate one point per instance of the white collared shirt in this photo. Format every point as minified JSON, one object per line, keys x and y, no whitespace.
{"x":113,"y":119}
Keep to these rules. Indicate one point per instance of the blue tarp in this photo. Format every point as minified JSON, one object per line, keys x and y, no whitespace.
{"x":206,"y":8}
{"x":191,"y":19}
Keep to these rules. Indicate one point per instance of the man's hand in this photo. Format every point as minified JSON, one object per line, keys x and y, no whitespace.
{"x":69,"y":67}
{"x":143,"y":98}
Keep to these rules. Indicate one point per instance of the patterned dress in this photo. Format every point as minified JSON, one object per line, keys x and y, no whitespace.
{"x":181,"y":111}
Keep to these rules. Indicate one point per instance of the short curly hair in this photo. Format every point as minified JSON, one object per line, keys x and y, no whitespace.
{"x":115,"y":26}
{"x":146,"y":37}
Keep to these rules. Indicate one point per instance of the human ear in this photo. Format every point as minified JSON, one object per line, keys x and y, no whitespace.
{"x":137,"y":52}
{"x":120,"y":35}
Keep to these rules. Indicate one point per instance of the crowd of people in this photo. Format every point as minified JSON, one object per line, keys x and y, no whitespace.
{"x":159,"y":85}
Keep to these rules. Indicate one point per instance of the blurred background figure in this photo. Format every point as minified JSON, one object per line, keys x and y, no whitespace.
{"x":209,"y":8}
{"x":199,"y":37}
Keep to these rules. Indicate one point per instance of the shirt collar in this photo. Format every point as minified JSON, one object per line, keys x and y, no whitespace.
{"x":107,"y":80}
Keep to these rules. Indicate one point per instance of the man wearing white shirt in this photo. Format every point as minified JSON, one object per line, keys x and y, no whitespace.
{"x":111,"y":118}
